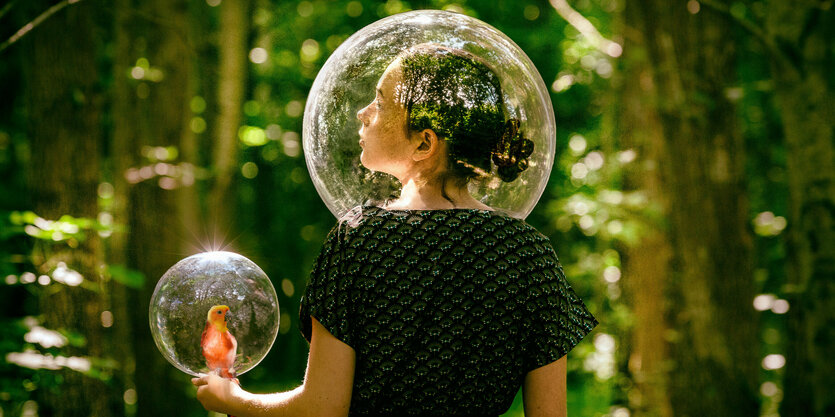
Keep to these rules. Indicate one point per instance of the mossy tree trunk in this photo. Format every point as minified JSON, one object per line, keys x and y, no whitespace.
{"x":231,"y":88}
{"x":713,"y":342}
{"x":64,"y":105}
{"x":154,"y":131}
{"x":646,"y":264}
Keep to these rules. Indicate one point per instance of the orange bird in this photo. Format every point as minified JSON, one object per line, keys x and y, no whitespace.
{"x":219,"y":346}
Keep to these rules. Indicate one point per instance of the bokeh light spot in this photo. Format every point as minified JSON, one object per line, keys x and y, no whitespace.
{"x":287,"y":287}
{"x":693,"y":6}
{"x":249,"y":170}
{"x":105,"y":190}
{"x":290,"y":140}
{"x":763,"y":302}
{"x":353,"y":8}
{"x":774,"y":361}
{"x":294,"y":108}
{"x":106,"y":319}
{"x":611,"y":274}
{"x":273,"y":131}
{"x":305,"y":9}
{"x":252,"y":136}
{"x":252,"y":108}
{"x":579,"y":170}
{"x":562,"y":83}
{"x":627,"y":156}
{"x":198,"y":124}
{"x":310,"y":50}
{"x":769,"y":389}
{"x":130,"y":394}
{"x":780,"y":306}
{"x":258,"y":55}
{"x":577,"y":143}
{"x":531,"y":12}
{"x":197,"y":104}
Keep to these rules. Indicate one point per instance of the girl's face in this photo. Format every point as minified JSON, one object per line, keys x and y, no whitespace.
{"x":385,"y":138}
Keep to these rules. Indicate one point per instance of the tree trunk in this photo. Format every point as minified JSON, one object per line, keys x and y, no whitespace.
{"x":123,"y":155}
{"x":804,"y":92}
{"x":714,"y":345}
{"x":155,"y":116}
{"x":233,"y":52}
{"x":64,"y":110}
{"x":646,"y":265}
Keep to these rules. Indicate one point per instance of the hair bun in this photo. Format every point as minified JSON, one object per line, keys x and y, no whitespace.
{"x":512,"y":152}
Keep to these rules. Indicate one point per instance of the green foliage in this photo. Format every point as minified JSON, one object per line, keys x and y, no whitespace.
{"x":126,"y":276}
{"x":65,"y":229}
{"x":585,"y":211}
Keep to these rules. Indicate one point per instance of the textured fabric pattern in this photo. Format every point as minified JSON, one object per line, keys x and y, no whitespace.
{"x":447,"y":310}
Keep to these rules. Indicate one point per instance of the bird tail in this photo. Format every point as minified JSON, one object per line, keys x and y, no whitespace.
{"x":228,"y":373}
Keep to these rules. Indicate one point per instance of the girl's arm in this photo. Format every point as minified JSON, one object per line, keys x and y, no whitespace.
{"x":326,"y":390}
{"x":544,"y":391}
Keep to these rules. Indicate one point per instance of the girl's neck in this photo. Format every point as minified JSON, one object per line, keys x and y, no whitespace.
{"x":416,"y":194}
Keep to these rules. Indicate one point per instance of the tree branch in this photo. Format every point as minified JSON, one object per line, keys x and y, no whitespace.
{"x":754,"y":30}
{"x":575,"y":19}
{"x":33,"y":24}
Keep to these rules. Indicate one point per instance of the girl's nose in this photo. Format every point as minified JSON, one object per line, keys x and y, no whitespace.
{"x":361,"y":114}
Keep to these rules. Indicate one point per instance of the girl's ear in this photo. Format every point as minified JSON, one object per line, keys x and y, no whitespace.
{"x":428,"y":145}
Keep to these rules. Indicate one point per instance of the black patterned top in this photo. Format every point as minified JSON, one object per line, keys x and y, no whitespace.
{"x":447,"y":310}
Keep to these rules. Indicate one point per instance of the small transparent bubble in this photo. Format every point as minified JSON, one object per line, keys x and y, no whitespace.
{"x":184,"y":296}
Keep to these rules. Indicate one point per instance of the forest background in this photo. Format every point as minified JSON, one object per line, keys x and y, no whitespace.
{"x":692,"y":201}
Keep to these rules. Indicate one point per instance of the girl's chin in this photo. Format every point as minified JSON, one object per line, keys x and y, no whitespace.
{"x":364,"y":160}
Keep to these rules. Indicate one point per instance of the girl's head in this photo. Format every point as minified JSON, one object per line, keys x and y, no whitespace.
{"x":440,"y":110}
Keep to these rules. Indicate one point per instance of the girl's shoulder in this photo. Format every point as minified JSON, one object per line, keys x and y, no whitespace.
{"x":365,"y":219}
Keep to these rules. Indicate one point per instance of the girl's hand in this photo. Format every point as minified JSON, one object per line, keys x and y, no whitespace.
{"x":222,"y":395}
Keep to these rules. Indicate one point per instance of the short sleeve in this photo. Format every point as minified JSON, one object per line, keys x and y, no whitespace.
{"x":327,"y":295}
{"x":557,"y":319}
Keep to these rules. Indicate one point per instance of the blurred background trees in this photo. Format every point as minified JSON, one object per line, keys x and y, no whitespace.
{"x":692,"y":201}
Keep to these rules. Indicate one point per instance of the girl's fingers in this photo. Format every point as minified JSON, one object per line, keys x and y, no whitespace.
{"x":202,"y":380}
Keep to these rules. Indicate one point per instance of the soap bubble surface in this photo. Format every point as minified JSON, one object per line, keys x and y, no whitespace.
{"x":184,"y":295}
{"x":347,"y":83}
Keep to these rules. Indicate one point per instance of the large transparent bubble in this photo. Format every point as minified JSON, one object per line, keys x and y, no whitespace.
{"x":347,"y":83}
{"x":189,"y":289}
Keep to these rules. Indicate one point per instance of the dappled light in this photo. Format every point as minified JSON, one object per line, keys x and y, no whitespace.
{"x":686,"y":191}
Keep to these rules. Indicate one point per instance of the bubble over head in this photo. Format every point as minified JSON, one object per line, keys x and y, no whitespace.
{"x":191,"y":288}
{"x":522,"y":153}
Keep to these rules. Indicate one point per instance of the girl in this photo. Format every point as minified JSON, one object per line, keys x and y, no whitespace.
{"x":433,"y":303}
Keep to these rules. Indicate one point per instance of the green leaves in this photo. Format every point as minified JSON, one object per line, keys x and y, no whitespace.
{"x":66,"y":228}
{"x":126,"y":276}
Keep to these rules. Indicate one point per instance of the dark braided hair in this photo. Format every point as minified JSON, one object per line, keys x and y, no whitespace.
{"x":458,"y":96}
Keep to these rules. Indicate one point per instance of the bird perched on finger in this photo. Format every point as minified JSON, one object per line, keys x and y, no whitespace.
{"x":219,"y":346}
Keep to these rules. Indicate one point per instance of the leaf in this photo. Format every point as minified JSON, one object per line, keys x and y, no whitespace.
{"x":126,"y":276}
